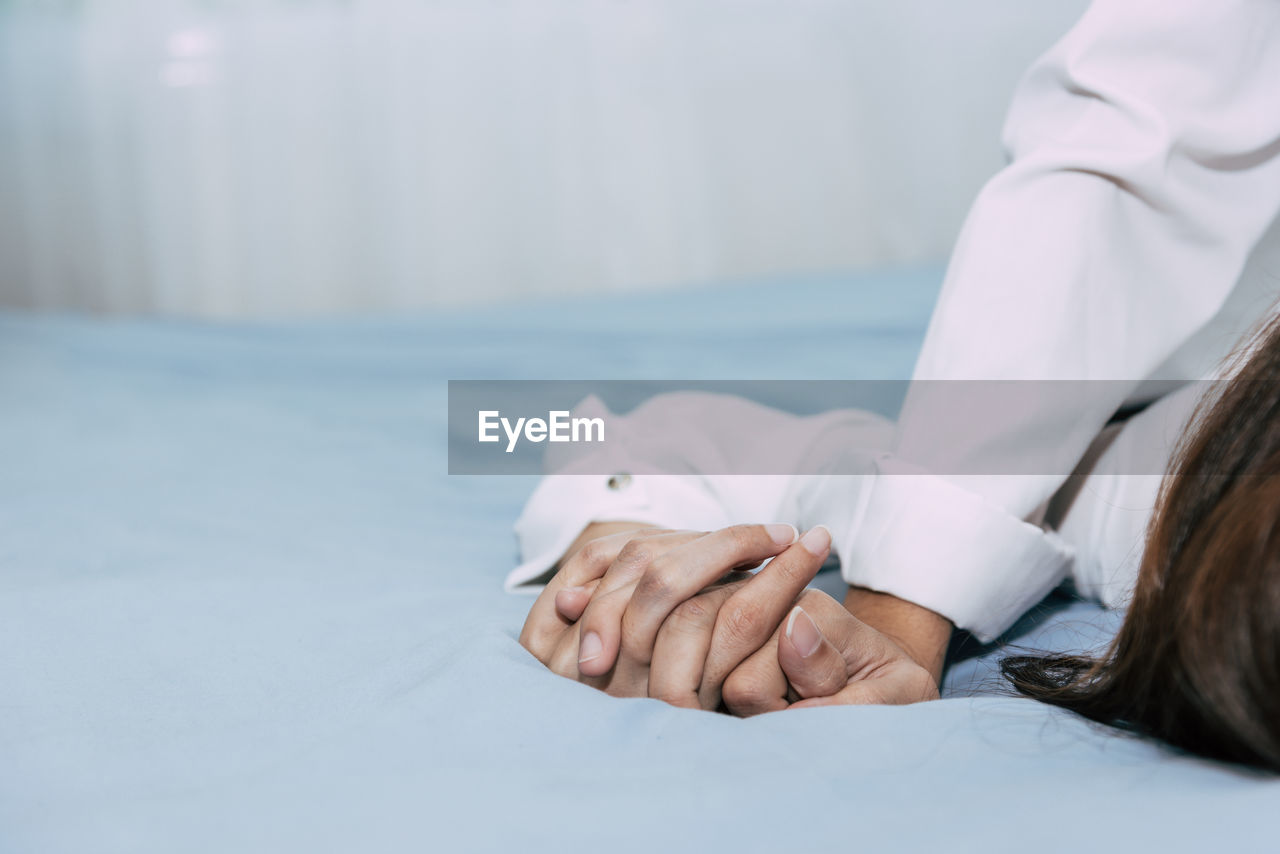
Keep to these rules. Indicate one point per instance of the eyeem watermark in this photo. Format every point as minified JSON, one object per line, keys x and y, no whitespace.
{"x":789,"y":427}
{"x":558,"y":426}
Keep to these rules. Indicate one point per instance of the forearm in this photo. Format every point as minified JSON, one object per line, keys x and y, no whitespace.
{"x":922,"y":633}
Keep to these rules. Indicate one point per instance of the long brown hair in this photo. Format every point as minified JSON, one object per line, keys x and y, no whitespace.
{"x":1196,"y":663}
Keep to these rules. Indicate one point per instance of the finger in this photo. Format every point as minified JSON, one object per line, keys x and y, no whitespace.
{"x":758,"y":684}
{"x":752,"y":616}
{"x":544,"y":625}
{"x":863,"y":651}
{"x":863,"y":648}
{"x":680,"y":573}
{"x":810,"y":662}
{"x":624,"y":678}
{"x":572,"y":601}
{"x":601,"y":620}
{"x":680,"y":650}
{"x":628,"y":677}
{"x":633,"y":559}
{"x":593,"y":560}
{"x":564,"y":660}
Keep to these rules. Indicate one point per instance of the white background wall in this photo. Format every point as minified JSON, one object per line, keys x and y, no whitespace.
{"x":270,"y":157}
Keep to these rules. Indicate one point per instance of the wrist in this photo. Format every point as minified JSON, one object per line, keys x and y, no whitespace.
{"x":922,"y":634}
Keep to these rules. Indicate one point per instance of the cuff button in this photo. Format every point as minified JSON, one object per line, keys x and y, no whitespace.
{"x":621,"y":480}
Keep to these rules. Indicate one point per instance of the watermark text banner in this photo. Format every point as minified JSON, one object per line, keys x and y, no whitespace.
{"x":798,"y":427}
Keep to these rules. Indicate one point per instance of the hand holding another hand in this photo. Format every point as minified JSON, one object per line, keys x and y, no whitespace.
{"x":639,"y":611}
{"x":648,"y":612}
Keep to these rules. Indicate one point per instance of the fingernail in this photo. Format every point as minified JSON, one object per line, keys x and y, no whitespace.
{"x":590,"y":648}
{"x":802,"y":633}
{"x":817,"y":541}
{"x":782,"y":533}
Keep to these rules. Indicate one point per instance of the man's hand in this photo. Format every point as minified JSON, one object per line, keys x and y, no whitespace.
{"x":822,"y":656}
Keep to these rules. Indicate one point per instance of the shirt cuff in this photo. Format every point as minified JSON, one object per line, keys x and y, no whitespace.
{"x":564,"y":504}
{"x":929,"y":541}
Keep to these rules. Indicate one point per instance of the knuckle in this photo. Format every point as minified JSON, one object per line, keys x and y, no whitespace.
{"x":593,"y":553}
{"x":634,"y":553}
{"x":656,"y":584}
{"x":526,"y":639}
{"x":788,"y":572}
{"x":532,"y":639}
{"x":741,"y":690}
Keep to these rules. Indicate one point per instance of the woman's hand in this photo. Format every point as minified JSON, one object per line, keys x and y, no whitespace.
{"x":823,"y":656}
{"x":649,"y":597}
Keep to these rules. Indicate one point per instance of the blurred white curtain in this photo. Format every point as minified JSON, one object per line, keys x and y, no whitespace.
{"x":271,"y":157}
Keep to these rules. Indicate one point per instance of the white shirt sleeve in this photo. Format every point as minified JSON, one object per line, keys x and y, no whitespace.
{"x":1145,"y":168}
{"x":1108,"y":514}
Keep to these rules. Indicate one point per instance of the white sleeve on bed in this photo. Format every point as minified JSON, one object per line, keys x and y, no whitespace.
{"x":1145,"y":168}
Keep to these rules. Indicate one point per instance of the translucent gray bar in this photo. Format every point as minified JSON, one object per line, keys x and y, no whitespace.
{"x":676,"y":427}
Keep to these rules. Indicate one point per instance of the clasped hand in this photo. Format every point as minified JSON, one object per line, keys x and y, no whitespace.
{"x":676,"y":615}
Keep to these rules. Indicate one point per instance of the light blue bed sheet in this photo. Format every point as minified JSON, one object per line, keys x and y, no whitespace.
{"x":243,"y":608}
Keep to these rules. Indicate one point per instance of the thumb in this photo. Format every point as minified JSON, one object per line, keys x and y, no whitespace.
{"x":813,"y":666}
{"x":572,"y":601}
